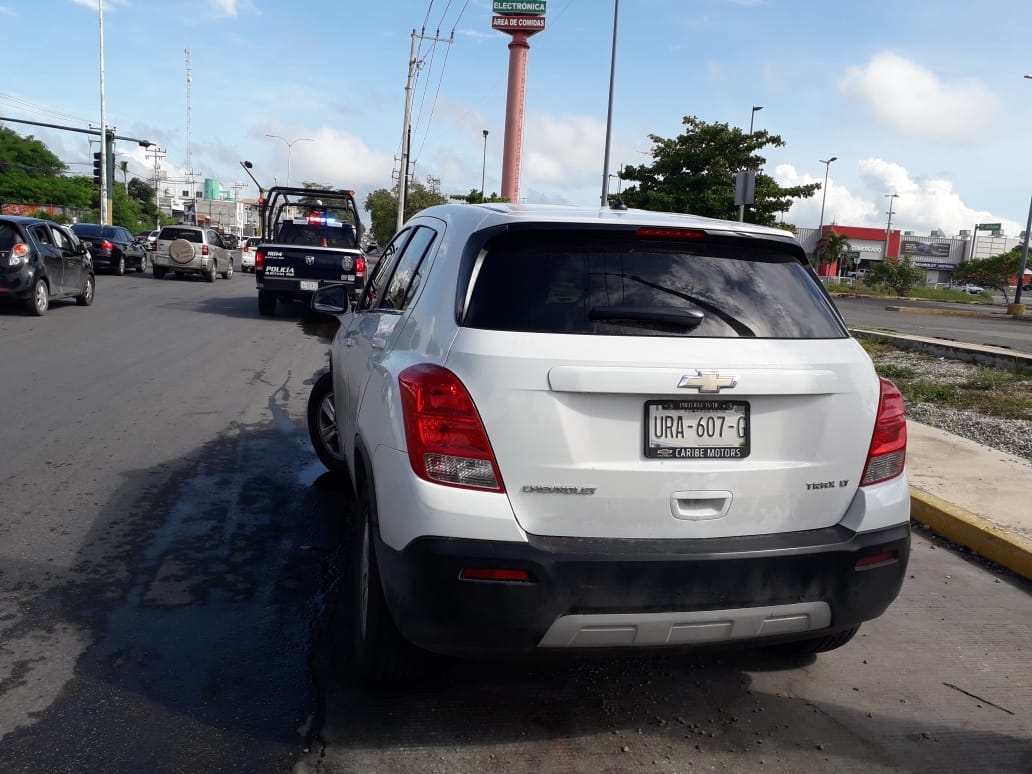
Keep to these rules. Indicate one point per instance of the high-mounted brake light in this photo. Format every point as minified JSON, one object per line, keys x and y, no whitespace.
{"x":654,"y":232}
{"x":502,"y":574}
{"x":447,"y":441}
{"x":888,"y":452}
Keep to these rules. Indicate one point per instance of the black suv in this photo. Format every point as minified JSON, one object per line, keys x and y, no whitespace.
{"x":113,"y":247}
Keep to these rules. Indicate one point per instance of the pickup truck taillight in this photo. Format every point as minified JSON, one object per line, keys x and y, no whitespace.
{"x":360,"y":266}
{"x":259,"y":258}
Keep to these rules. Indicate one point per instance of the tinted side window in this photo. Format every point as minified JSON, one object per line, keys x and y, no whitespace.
{"x":62,"y":240}
{"x":617,"y":284}
{"x":42,"y":234}
{"x":377,"y":281}
{"x":405,"y":280}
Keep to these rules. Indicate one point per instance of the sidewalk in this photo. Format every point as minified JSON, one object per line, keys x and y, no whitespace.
{"x":973,"y":495}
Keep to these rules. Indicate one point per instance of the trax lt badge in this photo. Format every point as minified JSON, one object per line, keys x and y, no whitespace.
{"x":707,"y":381}
{"x":310,"y":259}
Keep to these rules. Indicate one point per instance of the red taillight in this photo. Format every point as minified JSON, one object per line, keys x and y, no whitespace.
{"x":105,"y":245}
{"x":360,"y":266}
{"x":153,"y":246}
{"x":20,"y":250}
{"x":204,"y":249}
{"x":502,"y":574}
{"x":259,"y":258}
{"x":875,"y":560}
{"x":888,"y":451}
{"x":654,"y":232}
{"x":447,"y":442}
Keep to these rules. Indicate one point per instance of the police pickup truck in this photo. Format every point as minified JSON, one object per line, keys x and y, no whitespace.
{"x":310,"y":238}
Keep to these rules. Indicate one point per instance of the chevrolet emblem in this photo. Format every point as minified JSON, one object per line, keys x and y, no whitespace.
{"x":707,"y":381}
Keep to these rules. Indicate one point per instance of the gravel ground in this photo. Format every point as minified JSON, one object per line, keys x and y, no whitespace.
{"x":1009,"y":435}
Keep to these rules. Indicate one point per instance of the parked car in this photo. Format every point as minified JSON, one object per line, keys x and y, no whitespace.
{"x":615,"y":450}
{"x":967,"y":287}
{"x":147,"y":238}
{"x":41,"y":261}
{"x":191,"y":250}
{"x":112,"y":247}
{"x":248,"y":248}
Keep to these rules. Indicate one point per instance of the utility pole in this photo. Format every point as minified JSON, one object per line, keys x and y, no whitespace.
{"x":105,"y":182}
{"x":406,"y":130}
{"x":157,"y":153}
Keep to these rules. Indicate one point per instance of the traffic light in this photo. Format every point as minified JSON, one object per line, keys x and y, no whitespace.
{"x":96,"y":167}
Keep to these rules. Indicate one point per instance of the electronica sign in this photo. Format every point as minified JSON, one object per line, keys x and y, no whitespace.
{"x":518,"y":6}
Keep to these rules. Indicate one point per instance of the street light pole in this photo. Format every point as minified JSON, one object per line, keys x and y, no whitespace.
{"x":888,"y":228}
{"x":290,"y":144}
{"x":752,"y":115}
{"x":609,"y":115}
{"x":483,"y":171}
{"x":824,"y":196}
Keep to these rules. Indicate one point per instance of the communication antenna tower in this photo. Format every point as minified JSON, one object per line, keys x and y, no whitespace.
{"x":189,"y":80}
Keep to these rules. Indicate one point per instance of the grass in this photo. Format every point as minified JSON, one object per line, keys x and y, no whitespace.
{"x":924,"y":293}
{"x":990,"y":391}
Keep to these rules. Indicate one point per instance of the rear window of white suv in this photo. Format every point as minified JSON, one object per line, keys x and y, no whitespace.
{"x":618,"y":283}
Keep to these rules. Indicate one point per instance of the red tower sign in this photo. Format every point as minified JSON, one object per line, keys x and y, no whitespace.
{"x":520,"y":19}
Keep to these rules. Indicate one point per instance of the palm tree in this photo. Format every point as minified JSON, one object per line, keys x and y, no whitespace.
{"x":832,"y":248}
{"x":124,"y":166}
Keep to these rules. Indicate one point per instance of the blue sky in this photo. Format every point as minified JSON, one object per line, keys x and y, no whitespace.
{"x":920,"y":98}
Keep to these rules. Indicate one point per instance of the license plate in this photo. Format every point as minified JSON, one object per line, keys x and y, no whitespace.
{"x":309,"y":285}
{"x":697,"y":429}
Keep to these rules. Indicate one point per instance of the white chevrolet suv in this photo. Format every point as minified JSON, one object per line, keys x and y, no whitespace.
{"x":582,"y":428}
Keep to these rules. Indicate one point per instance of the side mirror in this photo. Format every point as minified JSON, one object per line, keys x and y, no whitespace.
{"x":81,"y":249}
{"x":331,"y":299}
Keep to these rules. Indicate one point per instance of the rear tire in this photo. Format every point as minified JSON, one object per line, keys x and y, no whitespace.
{"x":818,"y":644}
{"x":228,"y":272}
{"x":322,"y":426}
{"x":266,"y":304}
{"x":39,"y":302}
{"x":120,"y":267}
{"x":143,"y":264}
{"x":159,"y":271}
{"x":210,"y":274}
{"x":88,"y":289}
{"x":381,"y":655}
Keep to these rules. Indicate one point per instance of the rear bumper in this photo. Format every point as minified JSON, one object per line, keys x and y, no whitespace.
{"x":290,"y":290}
{"x":17,"y":283}
{"x":638,"y":593}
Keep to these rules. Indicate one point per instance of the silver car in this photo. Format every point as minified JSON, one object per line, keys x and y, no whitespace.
{"x":188,"y":250}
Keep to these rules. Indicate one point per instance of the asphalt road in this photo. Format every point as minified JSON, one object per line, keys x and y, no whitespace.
{"x":169,"y":566}
{"x":924,"y":318}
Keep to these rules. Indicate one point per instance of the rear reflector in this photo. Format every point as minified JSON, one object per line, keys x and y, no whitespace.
{"x":494,"y":574}
{"x":875,"y":560}
{"x":888,"y":452}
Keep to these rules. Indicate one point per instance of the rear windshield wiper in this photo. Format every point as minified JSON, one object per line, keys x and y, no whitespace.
{"x":662,"y":316}
{"x":737,"y":326}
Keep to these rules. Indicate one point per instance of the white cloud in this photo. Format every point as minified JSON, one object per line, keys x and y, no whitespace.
{"x":912,"y":99}
{"x":922,"y":205}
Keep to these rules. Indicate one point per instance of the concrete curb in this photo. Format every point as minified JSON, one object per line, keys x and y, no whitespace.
{"x":1002,"y":546}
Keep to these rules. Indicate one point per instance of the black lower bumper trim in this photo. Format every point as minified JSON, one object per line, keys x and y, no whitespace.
{"x":438,"y":611}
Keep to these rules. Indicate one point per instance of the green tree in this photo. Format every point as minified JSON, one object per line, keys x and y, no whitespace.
{"x":382,"y":205}
{"x":993,"y":272}
{"x":695,"y":173}
{"x":31,"y":174}
{"x":897,"y":274}
{"x":27,"y":156}
{"x":832,"y":248}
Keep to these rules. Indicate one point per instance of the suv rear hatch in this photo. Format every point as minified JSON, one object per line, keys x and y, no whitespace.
{"x":682,"y":384}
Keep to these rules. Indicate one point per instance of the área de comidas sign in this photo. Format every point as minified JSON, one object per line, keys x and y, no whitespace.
{"x":518,"y":23}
